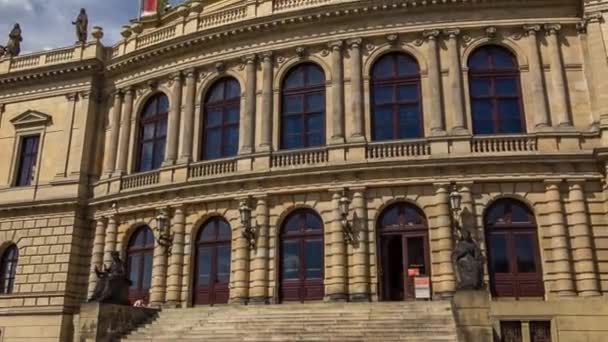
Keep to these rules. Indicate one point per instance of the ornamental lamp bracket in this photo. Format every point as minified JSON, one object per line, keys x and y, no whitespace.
{"x":347,"y":226}
{"x":163,"y":234}
{"x":249,"y":229}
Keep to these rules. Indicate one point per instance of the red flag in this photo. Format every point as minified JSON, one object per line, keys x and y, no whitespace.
{"x":149,"y":7}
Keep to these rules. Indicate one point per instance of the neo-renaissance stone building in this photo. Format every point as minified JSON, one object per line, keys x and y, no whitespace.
{"x":287,"y":110}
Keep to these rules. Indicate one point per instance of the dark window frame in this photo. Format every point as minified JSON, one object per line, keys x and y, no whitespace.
{"x":143,"y":250}
{"x":8,"y":269}
{"x":222,"y":106}
{"x":492,"y":75}
{"x":395,"y":81}
{"x":27,"y":160}
{"x":157,"y":119}
{"x":304,"y":93}
{"x":513,"y":283}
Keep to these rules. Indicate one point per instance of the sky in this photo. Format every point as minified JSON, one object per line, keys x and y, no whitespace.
{"x":47,"y":24}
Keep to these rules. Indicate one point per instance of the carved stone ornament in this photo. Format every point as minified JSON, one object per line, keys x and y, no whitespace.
{"x":152,"y":84}
{"x":112,"y":283}
{"x":452,"y":33}
{"x":301,"y":51}
{"x":97,"y":33}
{"x":126,"y":31}
{"x":220,"y":67}
{"x":392,"y":39}
{"x":552,"y":28}
{"x":468,"y":263}
{"x":491,"y":31}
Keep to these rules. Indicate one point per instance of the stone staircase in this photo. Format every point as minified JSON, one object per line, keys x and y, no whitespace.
{"x":322,"y":322}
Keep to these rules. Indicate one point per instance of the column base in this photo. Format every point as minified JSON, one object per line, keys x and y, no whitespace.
{"x":359,"y":297}
{"x":543,"y":128}
{"x":438,"y":133}
{"x":168,"y":162}
{"x":460,"y":131}
{"x":264,"y":148}
{"x":336,"y":141}
{"x":356,"y":139}
{"x":337,"y":297}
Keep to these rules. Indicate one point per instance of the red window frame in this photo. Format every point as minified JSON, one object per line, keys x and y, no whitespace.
{"x":157,"y":118}
{"x":222,"y":106}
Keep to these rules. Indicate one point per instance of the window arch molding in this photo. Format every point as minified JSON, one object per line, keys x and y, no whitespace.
{"x":396,"y":201}
{"x":128,"y":234}
{"x":376,"y":55}
{"x":512,"y":46}
{"x":288,"y":65}
{"x":141,"y":101}
{"x":289,"y":211}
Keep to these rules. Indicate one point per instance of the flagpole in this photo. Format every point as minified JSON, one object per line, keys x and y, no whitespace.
{"x":141,"y":5}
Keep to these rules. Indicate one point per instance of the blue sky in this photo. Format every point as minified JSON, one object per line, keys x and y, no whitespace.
{"x":46,"y":24}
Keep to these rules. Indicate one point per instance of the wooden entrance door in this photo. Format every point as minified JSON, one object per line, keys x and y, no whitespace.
{"x":140,"y":252}
{"x":403,"y":237}
{"x":302,"y":255}
{"x":212,"y":278}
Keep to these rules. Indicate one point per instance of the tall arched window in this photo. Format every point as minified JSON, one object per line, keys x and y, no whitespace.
{"x":152,"y":133}
{"x":221,"y":120}
{"x":303,"y":107}
{"x":8,"y":269}
{"x":513,"y":254}
{"x":403,"y":249}
{"x":212,"y":278}
{"x":140,"y":252}
{"x":302,"y":257}
{"x":396,"y":99}
{"x":495,"y":91}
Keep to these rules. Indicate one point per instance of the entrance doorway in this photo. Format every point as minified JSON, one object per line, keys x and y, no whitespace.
{"x":403,"y":236}
{"x":211,"y":282}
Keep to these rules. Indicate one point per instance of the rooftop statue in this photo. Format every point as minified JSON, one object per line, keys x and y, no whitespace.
{"x":82,"y":24}
{"x":468,"y":262}
{"x":13,"y":47}
{"x":112,"y":283}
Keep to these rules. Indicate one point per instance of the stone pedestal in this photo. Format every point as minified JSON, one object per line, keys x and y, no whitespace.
{"x":107,"y":322}
{"x":472,"y":315}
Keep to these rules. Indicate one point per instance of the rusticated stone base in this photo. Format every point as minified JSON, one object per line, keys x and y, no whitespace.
{"x":108,"y":322}
{"x":472,"y":314}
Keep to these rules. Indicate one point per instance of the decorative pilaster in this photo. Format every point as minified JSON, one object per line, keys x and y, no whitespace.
{"x":258,"y":286}
{"x":266,"y":122}
{"x":592,"y":41}
{"x":336,"y":282}
{"x":359,"y":289}
{"x":248,"y":115}
{"x":173,"y":122}
{"x":442,"y":244}
{"x":581,"y":245}
{"x":110,"y":241}
{"x":561,"y":117}
{"x":159,"y":274}
{"x":97,"y":255}
{"x":239,"y":292}
{"x":455,"y":83}
{"x":125,"y":132}
{"x":112,"y":144}
{"x":560,"y":270}
{"x":337,"y":92}
{"x":187,"y":120}
{"x":62,"y":165}
{"x":176,"y":263}
{"x":535,"y":81}
{"x":435,"y":94}
{"x":356,"y":86}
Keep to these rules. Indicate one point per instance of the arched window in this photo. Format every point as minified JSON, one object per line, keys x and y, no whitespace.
{"x":396,"y":99}
{"x":221,"y":120}
{"x":303,"y":107}
{"x":9,"y":269}
{"x":302,"y":257}
{"x":513,"y":253}
{"x":404,"y":251}
{"x":212,"y":278}
{"x":152,"y":133}
{"x":495,"y":91}
{"x":140,"y":252}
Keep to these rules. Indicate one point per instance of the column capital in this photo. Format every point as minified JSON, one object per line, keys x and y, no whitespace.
{"x":452,"y":33}
{"x":266,"y":56}
{"x":442,"y":186}
{"x":336,"y":45}
{"x":129,"y":91}
{"x":117,"y":93}
{"x":176,"y":76}
{"x":531,"y":29}
{"x":354,"y":43}
{"x":552,"y":29}
{"x":576,"y":181}
{"x":190,"y":73}
{"x":551,"y":183}
{"x":431,"y":34}
{"x":594,"y":17}
{"x":72,"y":97}
{"x":249,"y":59}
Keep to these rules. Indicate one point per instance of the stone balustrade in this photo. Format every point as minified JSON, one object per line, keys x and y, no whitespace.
{"x":212,"y":168}
{"x":507,"y":144}
{"x":140,"y":180}
{"x":398,"y":149}
{"x":55,"y":57}
{"x":299,"y":158}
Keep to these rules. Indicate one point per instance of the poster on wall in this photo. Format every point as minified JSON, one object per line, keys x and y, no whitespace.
{"x":422,"y":287}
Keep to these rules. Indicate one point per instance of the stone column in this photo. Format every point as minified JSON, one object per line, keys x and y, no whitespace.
{"x":258,"y":286}
{"x":110,"y":242}
{"x":560,"y":92}
{"x":360,"y":289}
{"x":441,"y":236}
{"x":336,"y":282}
{"x":187,"y":119}
{"x":596,"y":65}
{"x":173,"y":122}
{"x":535,"y":80}
{"x":159,"y":275}
{"x":125,"y":132}
{"x":356,"y":86}
{"x":97,"y":255}
{"x":176,"y":263}
{"x":337,"y":92}
{"x":248,"y":114}
{"x":266,"y":122}
{"x":112,"y":145}
{"x":580,"y":241}
{"x":68,"y":132}
{"x":560,"y":270}
{"x":455,"y":81}
{"x":239,"y":292}
{"x":435,"y":93}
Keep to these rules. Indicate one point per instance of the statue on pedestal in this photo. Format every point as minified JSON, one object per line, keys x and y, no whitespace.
{"x":112,"y":283}
{"x":13,"y":47}
{"x":82,"y":24}
{"x":468,"y":263}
